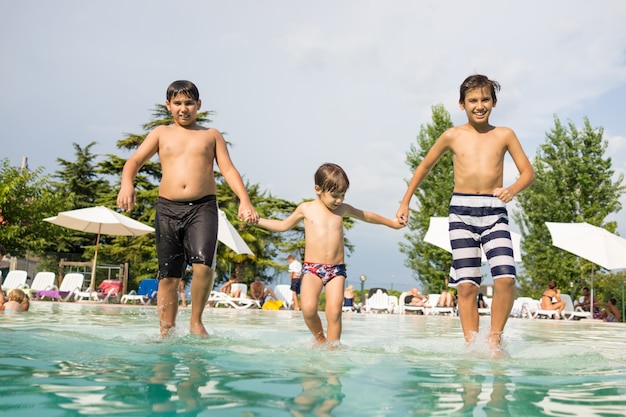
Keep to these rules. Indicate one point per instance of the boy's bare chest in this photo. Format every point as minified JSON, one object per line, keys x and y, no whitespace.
{"x":190,"y":145}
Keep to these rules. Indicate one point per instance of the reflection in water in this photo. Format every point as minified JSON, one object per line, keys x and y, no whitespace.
{"x":319,"y":396}
{"x":87,"y":360}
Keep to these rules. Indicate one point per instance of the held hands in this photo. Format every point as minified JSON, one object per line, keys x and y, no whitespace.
{"x":249,"y":216}
{"x":402,"y":215}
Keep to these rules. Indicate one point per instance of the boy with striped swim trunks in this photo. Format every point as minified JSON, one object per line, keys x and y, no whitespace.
{"x":478,"y":215}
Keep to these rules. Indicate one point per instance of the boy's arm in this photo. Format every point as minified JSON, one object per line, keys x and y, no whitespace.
{"x":233,"y":179}
{"x":422,"y":170}
{"x":370,"y":217}
{"x":126,"y":197}
{"x":282,"y":225}
{"x":25,"y":304}
{"x":525,"y":168}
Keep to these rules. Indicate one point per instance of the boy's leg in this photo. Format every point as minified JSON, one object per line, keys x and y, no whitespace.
{"x":468,"y":309}
{"x":167,"y":304}
{"x":334,"y":302}
{"x":309,"y":298}
{"x":201,"y":286}
{"x":501,"y":305}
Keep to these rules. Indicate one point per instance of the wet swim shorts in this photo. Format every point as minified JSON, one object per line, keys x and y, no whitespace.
{"x":479,"y":220}
{"x":186,"y":233}
{"x":323,"y":271}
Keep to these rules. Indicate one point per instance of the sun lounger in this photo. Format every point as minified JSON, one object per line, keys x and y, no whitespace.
{"x":42,"y":281}
{"x":14,"y":279}
{"x":145,"y":294}
{"x":379,"y":303}
{"x":284,"y":294}
{"x":71,"y":284}
{"x":570,"y":313}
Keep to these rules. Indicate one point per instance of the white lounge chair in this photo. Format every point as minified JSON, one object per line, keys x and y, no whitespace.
{"x":378,"y":302}
{"x":14,"y":279}
{"x":284,"y":294}
{"x":71,"y":284}
{"x":404,"y":308}
{"x":531,"y":308}
{"x":107,"y":290}
{"x":570,"y":312}
{"x":217,"y":298}
{"x":42,"y":281}
{"x":433,"y":309}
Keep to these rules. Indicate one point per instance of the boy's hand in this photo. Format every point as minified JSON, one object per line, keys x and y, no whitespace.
{"x":126,"y":198}
{"x":248,"y":214}
{"x":402,"y":215}
{"x":504,"y":194}
{"x":396,"y":224}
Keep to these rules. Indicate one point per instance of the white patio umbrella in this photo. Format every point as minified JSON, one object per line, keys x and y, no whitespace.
{"x":592,"y":243}
{"x":438,"y":235}
{"x":100,"y":220}
{"x":229,"y":236}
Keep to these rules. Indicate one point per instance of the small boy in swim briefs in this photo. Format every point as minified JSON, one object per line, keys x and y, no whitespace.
{"x":18,"y":301}
{"x":186,"y":211}
{"x":324,"y":250}
{"x":478,"y":215}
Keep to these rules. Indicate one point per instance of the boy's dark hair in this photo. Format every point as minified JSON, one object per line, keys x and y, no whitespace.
{"x":182,"y":87}
{"x":479,"y":81}
{"x":331,"y":178}
{"x":3,"y":250}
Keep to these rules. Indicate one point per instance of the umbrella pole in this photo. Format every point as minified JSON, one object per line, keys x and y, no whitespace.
{"x":95,"y":260}
{"x":591,"y":300}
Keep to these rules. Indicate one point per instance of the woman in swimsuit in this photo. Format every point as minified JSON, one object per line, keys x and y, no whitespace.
{"x":551,"y":298}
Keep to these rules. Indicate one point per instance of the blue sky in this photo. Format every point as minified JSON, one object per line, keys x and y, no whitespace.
{"x":296,"y":84}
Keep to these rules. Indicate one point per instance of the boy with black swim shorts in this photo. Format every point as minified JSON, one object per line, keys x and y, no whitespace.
{"x":478,"y":215}
{"x":186,"y":219}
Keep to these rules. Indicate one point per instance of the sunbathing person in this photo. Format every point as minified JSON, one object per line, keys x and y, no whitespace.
{"x":611,"y":312}
{"x":551,"y":298}
{"x":415,"y":298}
{"x":259,"y":292}
{"x":447,"y":299}
{"x":228,"y":287}
{"x":17,"y":302}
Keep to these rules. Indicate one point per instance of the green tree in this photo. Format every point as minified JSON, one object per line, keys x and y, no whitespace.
{"x":25,"y":200}
{"x":80,"y":184}
{"x":430,"y":264}
{"x":574,"y":182}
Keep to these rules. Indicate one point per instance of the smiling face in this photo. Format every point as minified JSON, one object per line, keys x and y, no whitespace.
{"x":184,"y":109}
{"x":478,"y":104}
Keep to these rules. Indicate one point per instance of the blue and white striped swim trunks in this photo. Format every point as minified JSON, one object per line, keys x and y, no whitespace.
{"x":479,"y":220}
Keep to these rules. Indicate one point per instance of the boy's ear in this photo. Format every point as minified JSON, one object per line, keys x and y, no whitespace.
{"x":199,"y":104}
{"x":318,"y":190}
{"x":461,"y":105}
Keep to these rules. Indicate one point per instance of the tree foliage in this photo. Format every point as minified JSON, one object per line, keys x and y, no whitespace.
{"x":574,"y":182}
{"x":430,"y":264}
{"x":25,"y":200}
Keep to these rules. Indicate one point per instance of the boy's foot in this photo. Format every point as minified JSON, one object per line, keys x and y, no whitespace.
{"x":198,"y":329}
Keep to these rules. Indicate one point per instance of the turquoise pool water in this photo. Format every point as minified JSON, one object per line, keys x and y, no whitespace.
{"x":67,"y":359}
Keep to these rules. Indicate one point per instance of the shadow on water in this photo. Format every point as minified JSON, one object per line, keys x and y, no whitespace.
{"x":68,"y":359}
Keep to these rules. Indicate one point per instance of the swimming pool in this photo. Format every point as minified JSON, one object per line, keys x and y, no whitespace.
{"x":68,"y":359}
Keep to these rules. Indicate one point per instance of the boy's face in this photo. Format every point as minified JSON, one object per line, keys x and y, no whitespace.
{"x":184,"y":109}
{"x":477,"y":105}
{"x":331,"y":200}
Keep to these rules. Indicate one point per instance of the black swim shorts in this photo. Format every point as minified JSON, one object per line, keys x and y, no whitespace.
{"x":186,"y":233}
